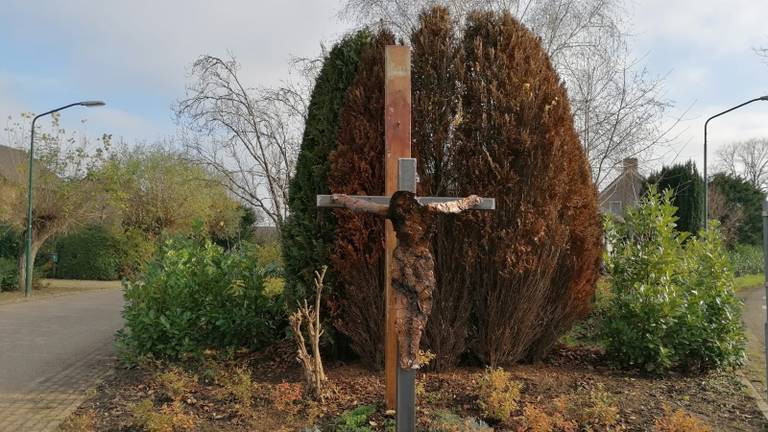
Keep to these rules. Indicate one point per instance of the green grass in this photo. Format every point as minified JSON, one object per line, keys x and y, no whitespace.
{"x":748,"y":281}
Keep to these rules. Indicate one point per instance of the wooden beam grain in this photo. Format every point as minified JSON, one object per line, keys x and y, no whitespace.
{"x":397,"y":144}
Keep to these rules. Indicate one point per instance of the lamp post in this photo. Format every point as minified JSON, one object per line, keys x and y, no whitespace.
{"x":706,"y":183}
{"x":28,"y":251}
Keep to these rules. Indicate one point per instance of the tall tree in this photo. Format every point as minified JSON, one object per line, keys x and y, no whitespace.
{"x":740,"y":198}
{"x":65,"y":193}
{"x":688,"y":189}
{"x":618,"y":107}
{"x":308,"y":232}
{"x":155,"y":190}
{"x":746,"y":159}
{"x":490,"y":117}
{"x":250,"y":136}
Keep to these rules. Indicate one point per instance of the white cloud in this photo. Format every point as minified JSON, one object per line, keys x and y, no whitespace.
{"x":721,"y":26}
{"x":151,"y":43}
{"x":136,"y":54}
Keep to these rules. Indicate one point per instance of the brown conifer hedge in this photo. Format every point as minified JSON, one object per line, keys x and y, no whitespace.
{"x":534,"y":262}
{"x":490,"y":117}
{"x":357,"y":167}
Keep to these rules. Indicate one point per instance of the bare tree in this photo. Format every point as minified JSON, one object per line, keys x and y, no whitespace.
{"x":250,"y":136}
{"x":746,"y":159}
{"x":618,"y":107}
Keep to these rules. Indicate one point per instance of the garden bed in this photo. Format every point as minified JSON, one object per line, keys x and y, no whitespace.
{"x":264,"y":393}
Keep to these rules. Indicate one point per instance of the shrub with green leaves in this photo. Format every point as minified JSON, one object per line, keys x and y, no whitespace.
{"x":9,"y":241}
{"x":308,"y":232}
{"x":195,"y":295}
{"x":355,"y":420}
{"x":92,"y":253}
{"x":673,"y":304}
{"x":746,"y":259}
{"x":9,"y":274}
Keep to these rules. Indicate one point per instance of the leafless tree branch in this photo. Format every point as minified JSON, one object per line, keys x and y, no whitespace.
{"x":250,"y":136}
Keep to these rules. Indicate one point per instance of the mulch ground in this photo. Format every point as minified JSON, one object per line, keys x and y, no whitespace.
{"x":572,"y":384}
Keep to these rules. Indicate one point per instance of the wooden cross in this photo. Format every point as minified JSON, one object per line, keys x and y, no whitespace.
{"x":411,"y":275}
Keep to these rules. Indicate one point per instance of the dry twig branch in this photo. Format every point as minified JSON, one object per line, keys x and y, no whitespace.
{"x":314,"y":374}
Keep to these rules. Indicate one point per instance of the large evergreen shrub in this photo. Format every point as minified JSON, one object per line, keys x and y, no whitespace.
{"x":687,"y":188}
{"x":9,"y":274}
{"x":532,"y":264}
{"x":673,"y":304}
{"x":357,"y":167}
{"x":9,"y":242}
{"x":92,"y":253}
{"x":436,"y":103}
{"x":195,"y":295}
{"x":490,"y":116}
{"x":742,"y":195}
{"x":308,"y":232}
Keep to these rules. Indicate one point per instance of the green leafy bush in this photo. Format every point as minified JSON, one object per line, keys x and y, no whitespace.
{"x":673,"y":305}
{"x":92,"y":254}
{"x":9,"y":274}
{"x":355,"y":420}
{"x":308,"y":232}
{"x":9,"y":242}
{"x":195,"y":295}
{"x":746,"y":259}
{"x":135,"y":249}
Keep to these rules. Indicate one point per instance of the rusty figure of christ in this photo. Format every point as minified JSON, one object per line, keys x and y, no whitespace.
{"x":413,"y":271}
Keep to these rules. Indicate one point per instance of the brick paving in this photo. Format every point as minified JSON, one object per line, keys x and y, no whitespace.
{"x":66,"y":353}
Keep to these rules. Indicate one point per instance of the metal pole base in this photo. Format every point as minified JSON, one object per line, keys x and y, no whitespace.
{"x":406,"y":400}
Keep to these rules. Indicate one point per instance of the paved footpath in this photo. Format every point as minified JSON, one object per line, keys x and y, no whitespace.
{"x":52,"y":351}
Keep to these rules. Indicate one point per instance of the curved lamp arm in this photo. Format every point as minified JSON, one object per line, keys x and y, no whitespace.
{"x":706,"y":182}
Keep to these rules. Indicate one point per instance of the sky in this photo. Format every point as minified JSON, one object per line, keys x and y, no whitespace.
{"x":136,"y":55}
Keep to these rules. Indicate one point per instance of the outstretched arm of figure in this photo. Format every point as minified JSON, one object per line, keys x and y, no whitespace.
{"x":359,"y":205}
{"x":456,"y":206}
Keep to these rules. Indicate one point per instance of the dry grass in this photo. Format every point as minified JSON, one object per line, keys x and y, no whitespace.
{"x":680,"y":421}
{"x":167,"y":418}
{"x":80,"y":422}
{"x":176,"y":383}
{"x":57,"y":287}
{"x":498,"y":394}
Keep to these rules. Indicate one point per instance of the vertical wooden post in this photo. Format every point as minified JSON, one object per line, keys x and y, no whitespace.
{"x":397,"y":144}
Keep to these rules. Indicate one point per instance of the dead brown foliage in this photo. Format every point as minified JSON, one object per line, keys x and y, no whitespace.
{"x":436,"y":113}
{"x":490,"y":117}
{"x":357,"y":167}
{"x":534,"y":261}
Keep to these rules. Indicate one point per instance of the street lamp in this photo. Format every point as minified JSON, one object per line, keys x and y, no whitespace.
{"x":706,"y":183}
{"x":28,"y":251}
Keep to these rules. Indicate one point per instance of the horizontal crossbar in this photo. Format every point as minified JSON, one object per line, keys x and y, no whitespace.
{"x":326,"y":201}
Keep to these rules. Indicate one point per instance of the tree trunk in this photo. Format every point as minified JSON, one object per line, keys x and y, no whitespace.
{"x":23,"y":259}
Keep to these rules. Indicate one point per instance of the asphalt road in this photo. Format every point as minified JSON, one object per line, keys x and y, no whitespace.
{"x":44,"y":337}
{"x":51,"y":351}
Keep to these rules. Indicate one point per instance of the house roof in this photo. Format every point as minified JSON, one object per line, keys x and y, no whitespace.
{"x":628,"y":180}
